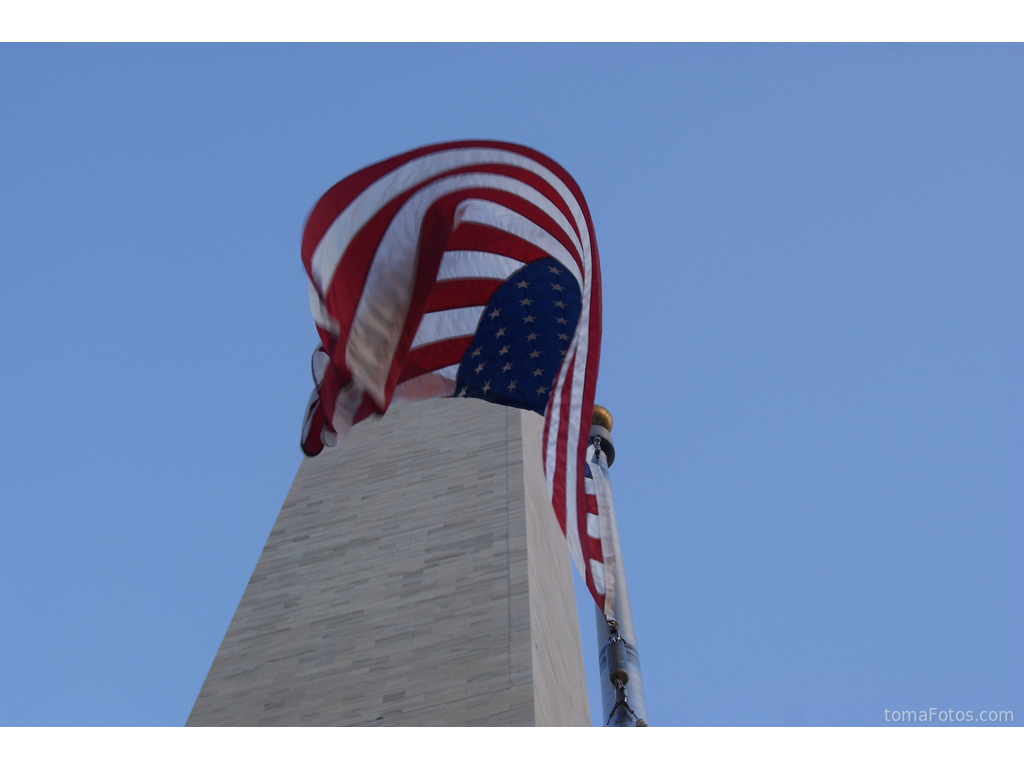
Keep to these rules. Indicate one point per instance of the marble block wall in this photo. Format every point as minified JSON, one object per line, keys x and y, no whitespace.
{"x":415,"y":576}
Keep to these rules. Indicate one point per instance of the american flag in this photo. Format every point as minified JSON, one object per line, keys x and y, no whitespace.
{"x":466,"y":269}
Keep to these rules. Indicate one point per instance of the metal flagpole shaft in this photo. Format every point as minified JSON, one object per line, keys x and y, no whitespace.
{"x":622,"y":687}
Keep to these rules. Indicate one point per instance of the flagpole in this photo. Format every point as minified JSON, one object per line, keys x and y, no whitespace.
{"x":623,"y":703}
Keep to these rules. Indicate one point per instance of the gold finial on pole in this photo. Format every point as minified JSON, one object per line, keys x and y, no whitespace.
{"x":602,"y":417}
{"x":601,"y":432}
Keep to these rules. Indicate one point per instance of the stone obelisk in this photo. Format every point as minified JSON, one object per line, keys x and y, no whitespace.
{"x":416,"y":575}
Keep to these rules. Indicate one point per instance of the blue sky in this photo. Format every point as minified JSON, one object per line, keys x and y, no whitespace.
{"x":813,"y":261}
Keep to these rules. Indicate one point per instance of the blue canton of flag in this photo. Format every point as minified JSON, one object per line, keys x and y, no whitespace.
{"x":522,"y":337}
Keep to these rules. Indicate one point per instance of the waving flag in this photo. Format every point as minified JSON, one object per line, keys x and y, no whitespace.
{"x":466,"y":269}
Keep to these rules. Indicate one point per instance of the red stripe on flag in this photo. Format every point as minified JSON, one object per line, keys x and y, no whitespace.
{"x":476,"y":237}
{"x":433,"y":357}
{"x":562,"y":437}
{"x":593,"y":546}
{"x":453,"y":294}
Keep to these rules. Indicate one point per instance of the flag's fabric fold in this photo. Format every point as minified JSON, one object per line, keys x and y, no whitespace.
{"x":601,"y":529}
{"x":467,"y":269}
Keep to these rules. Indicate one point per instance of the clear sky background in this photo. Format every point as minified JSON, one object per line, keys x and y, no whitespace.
{"x":813,"y":261}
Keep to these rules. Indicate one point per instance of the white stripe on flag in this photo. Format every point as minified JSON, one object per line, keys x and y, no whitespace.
{"x":447,"y":324}
{"x":320,"y":315}
{"x":457,"y":265}
{"x":597,"y":573}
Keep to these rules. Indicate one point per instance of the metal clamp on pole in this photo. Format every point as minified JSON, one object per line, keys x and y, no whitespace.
{"x":618,"y":674}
